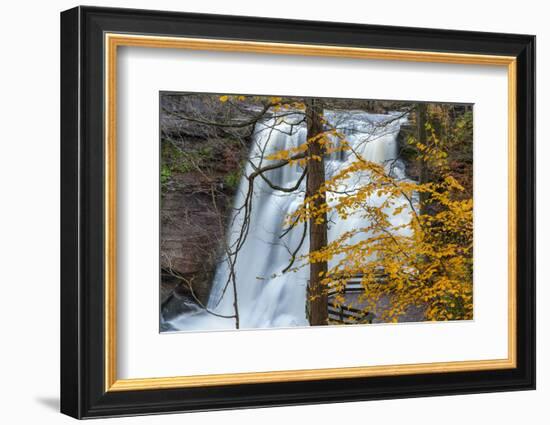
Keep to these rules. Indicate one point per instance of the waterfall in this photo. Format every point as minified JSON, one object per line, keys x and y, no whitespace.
{"x":266,"y":296}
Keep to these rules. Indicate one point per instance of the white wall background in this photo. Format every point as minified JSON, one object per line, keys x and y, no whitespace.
{"x":29,"y":212}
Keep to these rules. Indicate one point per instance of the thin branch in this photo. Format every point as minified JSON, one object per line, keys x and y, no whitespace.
{"x":295,"y":252}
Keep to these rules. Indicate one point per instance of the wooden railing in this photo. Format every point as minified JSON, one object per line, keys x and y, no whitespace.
{"x":352,"y":285}
{"x":344,"y":314}
{"x":348,"y":316}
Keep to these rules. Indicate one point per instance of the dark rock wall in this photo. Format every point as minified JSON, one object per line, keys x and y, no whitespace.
{"x":196,"y":205}
{"x":200,"y":166}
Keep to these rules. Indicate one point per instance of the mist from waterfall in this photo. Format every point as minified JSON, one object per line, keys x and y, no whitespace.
{"x":267,"y":297}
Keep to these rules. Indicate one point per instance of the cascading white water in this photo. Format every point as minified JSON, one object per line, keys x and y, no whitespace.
{"x":266,"y":296}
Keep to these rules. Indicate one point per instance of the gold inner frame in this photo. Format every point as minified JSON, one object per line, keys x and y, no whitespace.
{"x":113,"y":41}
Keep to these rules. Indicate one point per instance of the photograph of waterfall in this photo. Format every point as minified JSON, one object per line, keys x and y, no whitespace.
{"x":286,"y":211}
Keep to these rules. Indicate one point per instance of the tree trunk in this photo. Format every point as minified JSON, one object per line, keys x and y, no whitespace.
{"x":317,"y":295}
{"x":421,"y":129}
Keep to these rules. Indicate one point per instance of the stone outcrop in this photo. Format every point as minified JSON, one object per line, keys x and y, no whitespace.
{"x":195,"y":207}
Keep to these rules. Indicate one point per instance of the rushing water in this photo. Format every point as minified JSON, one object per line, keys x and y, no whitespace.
{"x":266,"y":297}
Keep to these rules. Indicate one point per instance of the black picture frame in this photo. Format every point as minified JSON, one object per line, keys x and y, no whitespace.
{"x":83,"y":392}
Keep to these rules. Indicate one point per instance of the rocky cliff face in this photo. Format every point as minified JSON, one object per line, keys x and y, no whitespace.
{"x":195,"y":208}
{"x":200,"y":166}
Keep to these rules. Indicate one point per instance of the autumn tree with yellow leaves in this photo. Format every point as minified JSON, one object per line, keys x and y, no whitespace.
{"x":426,"y":262}
{"x":431,"y":266}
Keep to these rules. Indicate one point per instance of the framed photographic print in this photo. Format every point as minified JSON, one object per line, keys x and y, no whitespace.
{"x":261,"y":212}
